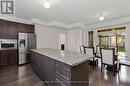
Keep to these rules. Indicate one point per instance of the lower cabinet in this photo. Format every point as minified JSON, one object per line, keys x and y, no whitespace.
{"x":63,"y":74}
{"x":8,"y":57}
{"x":56,"y":73}
{"x":44,"y":67}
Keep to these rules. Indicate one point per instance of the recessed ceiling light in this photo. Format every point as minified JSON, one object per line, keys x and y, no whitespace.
{"x":101,"y":17}
{"x":47,"y":4}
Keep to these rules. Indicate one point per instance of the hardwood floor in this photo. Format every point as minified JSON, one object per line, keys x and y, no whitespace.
{"x":19,"y":76}
{"x":107,"y":79}
{"x":24,"y":76}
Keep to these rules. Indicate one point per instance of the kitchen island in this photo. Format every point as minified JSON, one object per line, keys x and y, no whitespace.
{"x":60,"y":68}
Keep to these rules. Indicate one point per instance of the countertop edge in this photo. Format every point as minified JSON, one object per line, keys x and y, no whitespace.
{"x":8,"y":49}
{"x":75,"y":64}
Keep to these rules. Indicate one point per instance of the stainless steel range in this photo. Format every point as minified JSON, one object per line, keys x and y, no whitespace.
{"x":26,"y":41}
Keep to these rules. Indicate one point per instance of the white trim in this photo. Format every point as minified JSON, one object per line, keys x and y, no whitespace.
{"x":59,"y":24}
{"x":115,"y":22}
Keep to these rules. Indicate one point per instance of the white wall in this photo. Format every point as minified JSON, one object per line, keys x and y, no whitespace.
{"x":85,"y":37}
{"x":95,"y":39}
{"x":74,"y":40}
{"x":47,"y":37}
{"x":62,"y":40}
{"x":128,"y":40}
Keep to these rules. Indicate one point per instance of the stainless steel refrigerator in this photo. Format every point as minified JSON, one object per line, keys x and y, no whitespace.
{"x":26,"y":41}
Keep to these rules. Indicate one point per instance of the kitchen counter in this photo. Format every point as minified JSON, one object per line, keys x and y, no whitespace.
{"x":70,"y":58}
{"x":59,"y":68}
{"x":8,"y":48}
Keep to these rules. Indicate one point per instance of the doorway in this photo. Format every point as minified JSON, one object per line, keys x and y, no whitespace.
{"x":113,"y":38}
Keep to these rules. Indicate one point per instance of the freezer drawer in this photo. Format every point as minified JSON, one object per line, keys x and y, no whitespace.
{"x":22,"y":59}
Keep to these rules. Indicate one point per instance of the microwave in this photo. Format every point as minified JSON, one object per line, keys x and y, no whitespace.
{"x":7,"y":45}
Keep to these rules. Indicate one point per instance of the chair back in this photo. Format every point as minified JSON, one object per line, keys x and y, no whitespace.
{"x":116,"y":50}
{"x":89,"y":50}
{"x":98,"y":49}
{"x":82,"y":49}
{"x":107,"y":55}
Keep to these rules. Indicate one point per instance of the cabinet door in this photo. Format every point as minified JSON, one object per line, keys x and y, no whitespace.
{"x":30,"y":28}
{"x":3,"y":29}
{"x":0,"y":29}
{"x":13,"y":57}
{"x":4,"y":57}
{"x":8,"y":57}
{"x":25,"y":28}
{"x":11,"y":29}
{"x":20,"y":27}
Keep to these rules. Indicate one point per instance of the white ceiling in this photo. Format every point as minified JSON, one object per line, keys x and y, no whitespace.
{"x":72,"y":11}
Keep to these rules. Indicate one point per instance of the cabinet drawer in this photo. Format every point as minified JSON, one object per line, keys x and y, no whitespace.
{"x":62,"y":82}
{"x":60,"y":76}
{"x":58,"y":83}
{"x":63,"y":73}
{"x":62,"y":66}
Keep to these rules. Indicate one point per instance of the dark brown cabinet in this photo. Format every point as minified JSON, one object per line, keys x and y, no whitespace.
{"x":3,"y":29}
{"x":30,"y":28}
{"x":8,"y":57}
{"x":56,"y":73}
{"x":4,"y":58}
{"x":24,"y":28}
{"x":13,"y":57}
{"x":9,"y":30}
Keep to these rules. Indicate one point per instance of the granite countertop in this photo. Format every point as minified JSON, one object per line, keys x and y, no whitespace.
{"x":8,"y":48}
{"x":70,"y":58}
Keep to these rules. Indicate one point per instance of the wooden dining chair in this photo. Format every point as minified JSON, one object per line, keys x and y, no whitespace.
{"x":116,"y":50}
{"x":108,"y":58}
{"x":124,"y":62}
{"x":90,"y":51}
{"x":98,"y":53}
{"x":82,"y":50}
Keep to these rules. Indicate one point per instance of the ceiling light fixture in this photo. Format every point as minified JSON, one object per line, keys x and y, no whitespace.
{"x":47,"y":4}
{"x":101,"y":17}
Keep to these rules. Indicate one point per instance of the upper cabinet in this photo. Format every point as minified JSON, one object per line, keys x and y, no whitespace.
{"x":25,"y":28}
{"x":3,"y":29}
{"x":30,"y":28}
{"x":9,"y":30}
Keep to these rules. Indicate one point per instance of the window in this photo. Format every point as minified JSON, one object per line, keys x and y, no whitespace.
{"x":90,"y":38}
